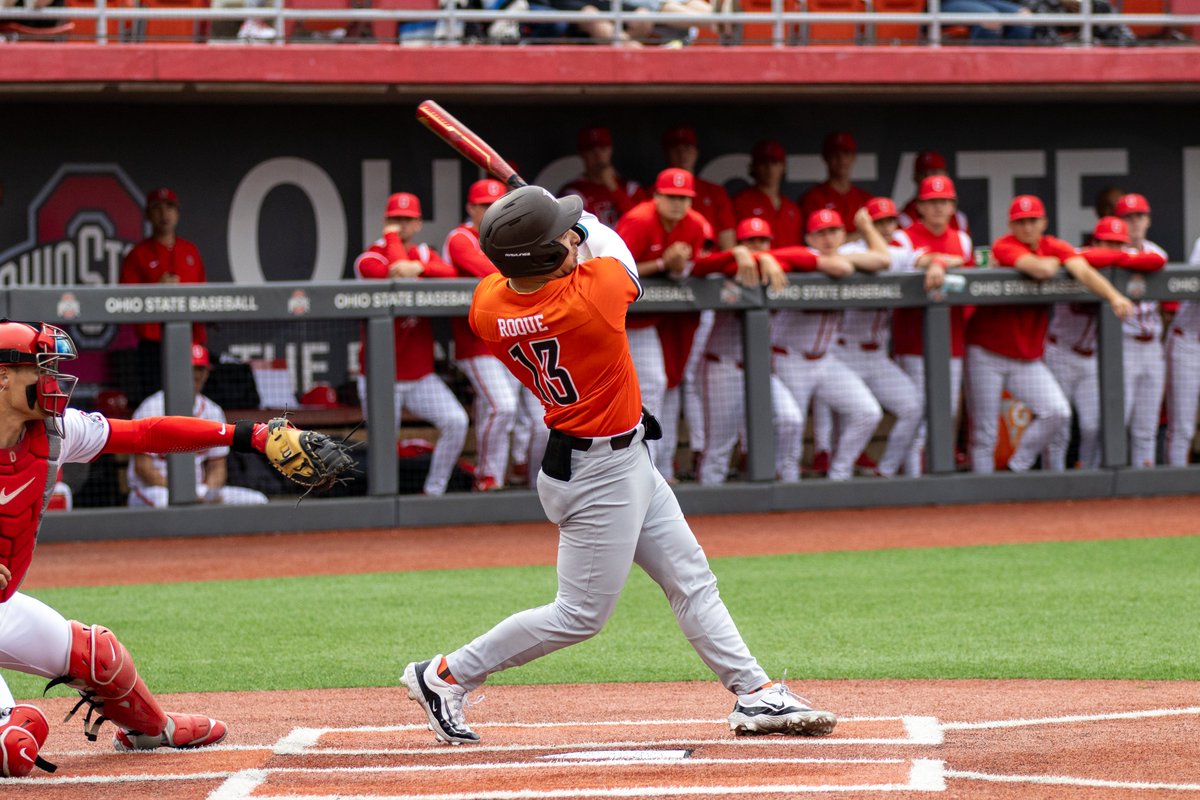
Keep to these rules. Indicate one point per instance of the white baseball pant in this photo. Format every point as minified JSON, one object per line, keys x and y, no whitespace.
{"x":664,"y":458}
{"x":646,"y":351}
{"x":988,"y":374}
{"x":1079,"y":377}
{"x":614,"y":512}
{"x":1145,"y":382}
{"x":693,"y":395}
{"x":496,"y":402}
{"x":34,"y":639}
{"x":156,"y":496}
{"x":432,"y":401}
{"x":723,"y":384}
{"x":1183,"y":395}
{"x":914,"y":367}
{"x":830,"y":381}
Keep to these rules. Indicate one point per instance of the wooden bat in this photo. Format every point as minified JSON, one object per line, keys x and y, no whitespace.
{"x":467,"y":143}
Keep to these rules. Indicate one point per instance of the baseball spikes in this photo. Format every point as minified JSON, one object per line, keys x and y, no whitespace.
{"x":442,"y":701}
{"x":776,"y":710}
{"x":183,"y":732}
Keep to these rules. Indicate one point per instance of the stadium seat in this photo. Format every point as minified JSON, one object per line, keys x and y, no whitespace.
{"x":833,"y":32}
{"x":764,"y":32}
{"x":896,"y":33}
{"x":1147,"y":7}
{"x":173,"y":30}
{"x":85,"y":29}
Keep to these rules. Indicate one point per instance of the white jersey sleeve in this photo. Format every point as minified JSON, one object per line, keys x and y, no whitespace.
{"x":603,"y":242}
{"x":84,"y":436}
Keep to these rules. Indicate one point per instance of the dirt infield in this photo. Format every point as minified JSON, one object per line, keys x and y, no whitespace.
{"x":970,"y":739}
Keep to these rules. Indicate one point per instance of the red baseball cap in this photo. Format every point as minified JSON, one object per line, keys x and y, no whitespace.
{"x":754,"y":228}
{"x":680,"y":135}
{"x":675,"y":181}
{"x":881,"y":208}
{"x":594,"y":137}
{"x":163,"y":195}
{"x":200,"y":356}
{"x":839,"y":142}
{"x":1111,"y":229}
{"x":403,"y":204}
{"x":824,"y":218}
{"x":1132,"y":204}
{"x":485,"y":192}
{"x":937,"y":187}
{"x":1025,"y":206}
{"x":927,"y":161}
{"x":766,"y":151}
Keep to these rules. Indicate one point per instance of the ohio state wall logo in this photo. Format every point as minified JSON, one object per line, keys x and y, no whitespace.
{"x":80,"y":225}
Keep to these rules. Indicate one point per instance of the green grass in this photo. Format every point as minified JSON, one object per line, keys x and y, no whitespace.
{"x":1106,"y":609}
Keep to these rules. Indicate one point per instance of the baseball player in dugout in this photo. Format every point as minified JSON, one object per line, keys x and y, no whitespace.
{"x":1183,"y":375}
{"x":681,"y":147}
{"x":162,"y":257}
{"x":417,"y":386}
{"x":764,"y":198}
{"x":839,"y":150}
{"x":498,"y":395}
{"x":1005,"y":343}
{"x":929,"y":164}
{"x":604,"y":192}
{"x":555,"y":315}
{"x":38,"y":433}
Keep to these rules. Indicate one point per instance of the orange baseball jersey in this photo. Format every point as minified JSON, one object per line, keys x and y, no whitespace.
{"x":566,"y":342}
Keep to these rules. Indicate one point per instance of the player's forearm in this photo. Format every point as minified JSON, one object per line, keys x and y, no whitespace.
{"x":143,"y":467}
{"x":181,"y":435}
{"x":1092,"y":280}
{"x":1039,"y":267}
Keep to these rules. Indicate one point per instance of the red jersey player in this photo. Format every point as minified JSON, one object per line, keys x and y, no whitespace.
{"x":765,"y":200}
{"x":837,"y":193}
{"x":605,"y":193}
{"x":682,"y":149}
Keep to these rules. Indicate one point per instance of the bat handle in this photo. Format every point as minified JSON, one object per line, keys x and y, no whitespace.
{"x":514,"y":182}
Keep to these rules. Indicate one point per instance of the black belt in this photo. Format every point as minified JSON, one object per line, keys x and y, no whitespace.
{"x":556,"y":463}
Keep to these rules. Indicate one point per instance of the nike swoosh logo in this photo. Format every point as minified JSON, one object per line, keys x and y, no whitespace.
{"x":222,"y":431}
{"x":5,"y":496}
{"x":23,"y":754}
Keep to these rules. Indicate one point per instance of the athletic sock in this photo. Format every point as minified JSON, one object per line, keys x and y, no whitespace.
{"x":443,"y":672}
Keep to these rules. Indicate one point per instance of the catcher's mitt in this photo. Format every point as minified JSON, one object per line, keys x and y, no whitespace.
{"x":312,"y":460}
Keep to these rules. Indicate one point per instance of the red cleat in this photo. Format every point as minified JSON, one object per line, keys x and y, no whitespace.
{"x":820,"y":462}
{"x":184,"y":732}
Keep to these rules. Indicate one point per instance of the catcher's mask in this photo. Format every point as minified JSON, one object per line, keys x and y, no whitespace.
{"x":518,"y":232}
{"x":43,"y":346}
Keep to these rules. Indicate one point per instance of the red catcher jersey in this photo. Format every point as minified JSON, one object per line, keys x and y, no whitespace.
{"x":566,"y":342}
{"x":607,"y":204}
{"x":149,"y":261}
{"x":785,"y":221}
{"x":712,"y":202}
{"x":825,"y":196}
{"x":908,"y":324}
{"x":462,"y":252}
{"x":413,"y":335}
{"x":1016,"y":331}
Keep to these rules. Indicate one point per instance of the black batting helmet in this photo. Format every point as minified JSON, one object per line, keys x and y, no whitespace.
{"x":518,"y":232}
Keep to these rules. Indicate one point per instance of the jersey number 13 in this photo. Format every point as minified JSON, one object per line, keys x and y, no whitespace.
{"x":551,"y":380}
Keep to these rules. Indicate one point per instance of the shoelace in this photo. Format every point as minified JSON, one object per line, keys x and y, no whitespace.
{"x":457,"y":704}
{"x":783,"y":688}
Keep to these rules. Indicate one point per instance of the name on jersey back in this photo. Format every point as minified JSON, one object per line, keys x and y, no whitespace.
{"x":521,"y":326}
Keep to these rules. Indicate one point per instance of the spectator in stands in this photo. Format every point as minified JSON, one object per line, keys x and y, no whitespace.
{"x":929,"y":164}
{"x":163,"y":257}
{"x":681,"y":147}
{"x":839,"y":150}
{"x":31,"y":26}
{"x":397,"y":256}
{"x":1049,"y":34}
{"x":993,"y":31}
{"x":148,"y":471}
{"x":605,"y":193}
{"x":256,"y":29}
{"x":764,"y":198}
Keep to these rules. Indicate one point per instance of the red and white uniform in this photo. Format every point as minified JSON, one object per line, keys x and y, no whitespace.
{"x":1071,"y":358}
{"x":910,"y":216}
{"x":148,"y":261}
{"x":417,"y":386}
{"x":609,"y":205}
{"x":142,"y":494}
{"x":661,"y":343}
{"x":1183,"y":376}
{"x":823,"y":195}
{"x":498,"y":394}
{"x":712,"y":202}
{"x":802,"y":342}
{"x":1005,"y":344}
{"x":1145,"y":372}
{"x":784,"y":219}
{"x":908,"y":328}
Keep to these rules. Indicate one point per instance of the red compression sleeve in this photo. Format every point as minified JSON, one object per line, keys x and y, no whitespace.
{"x":169,"y":435}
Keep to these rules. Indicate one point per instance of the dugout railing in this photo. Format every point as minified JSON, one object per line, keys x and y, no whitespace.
{"x":377,"y":303}
{"x":787,"y":27}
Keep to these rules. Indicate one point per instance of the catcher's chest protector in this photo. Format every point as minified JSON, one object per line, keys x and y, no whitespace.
{"x":27,"y":474}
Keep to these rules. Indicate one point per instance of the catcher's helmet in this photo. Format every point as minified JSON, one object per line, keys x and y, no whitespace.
{"x":43,"y":346}
{"x":518,"y":232}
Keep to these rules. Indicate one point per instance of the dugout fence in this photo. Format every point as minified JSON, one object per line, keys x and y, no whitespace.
{"x":286,"y":310}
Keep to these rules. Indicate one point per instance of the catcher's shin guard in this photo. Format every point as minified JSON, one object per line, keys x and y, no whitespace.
{"x":102,"y":671}
{"x":22,"y":735}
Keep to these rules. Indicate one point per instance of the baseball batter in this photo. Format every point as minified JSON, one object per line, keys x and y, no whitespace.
{"x":1145,"y":362}
{"x":417,"y":385}
{"x":39,"y":433}
{"x":498,"y":394}
{"x":1005,"y":343}
{"x":1183,"y":376}
{"x":558,"y":323}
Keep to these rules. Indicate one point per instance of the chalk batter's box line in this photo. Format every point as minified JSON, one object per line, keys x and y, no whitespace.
{"x":919,"y":730}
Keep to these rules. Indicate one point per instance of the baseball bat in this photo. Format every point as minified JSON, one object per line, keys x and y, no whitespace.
{"x":467,"y":143}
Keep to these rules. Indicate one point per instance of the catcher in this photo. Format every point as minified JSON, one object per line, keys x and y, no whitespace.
{"x":38,"y":432}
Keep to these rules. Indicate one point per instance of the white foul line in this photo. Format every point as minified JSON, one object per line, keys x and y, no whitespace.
{"x":1021,"y":723}
{"x":1062,"y":780}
